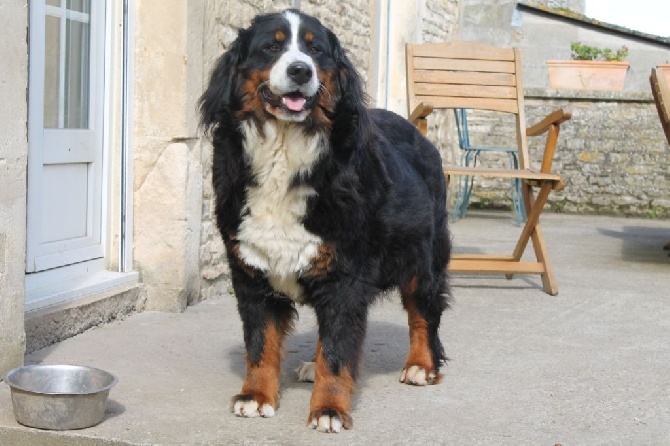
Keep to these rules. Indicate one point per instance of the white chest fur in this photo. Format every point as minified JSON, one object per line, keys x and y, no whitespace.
{"x":272,"y":237}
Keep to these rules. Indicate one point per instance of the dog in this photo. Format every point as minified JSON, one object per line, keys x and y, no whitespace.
{"x":320,"y":201}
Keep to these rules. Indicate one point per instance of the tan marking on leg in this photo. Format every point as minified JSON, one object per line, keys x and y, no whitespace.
{"x":331,"y":392}
{"x":419,"y":354}
{"x":262,"y":380}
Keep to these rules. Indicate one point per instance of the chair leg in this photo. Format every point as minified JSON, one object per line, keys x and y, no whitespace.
{"x":517,"y":200}
{"x":456,"y":213}
{"x":533,"y":231}
{"x":469,"y":182}
{"x":464,"y":187}
{"x":460,"y":191}
{"x":549,"y":284}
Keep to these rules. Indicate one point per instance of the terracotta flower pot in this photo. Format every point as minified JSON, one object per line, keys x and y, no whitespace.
{"x":587,"y":74}
{"x":665,"y":69}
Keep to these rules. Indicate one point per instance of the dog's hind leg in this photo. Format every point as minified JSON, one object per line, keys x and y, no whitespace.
{"x":424,"y":310}
{"x":307,"y":371}
{"x":266,"y":320}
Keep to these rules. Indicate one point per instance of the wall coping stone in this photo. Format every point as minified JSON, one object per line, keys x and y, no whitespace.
{"x":588,"y":95}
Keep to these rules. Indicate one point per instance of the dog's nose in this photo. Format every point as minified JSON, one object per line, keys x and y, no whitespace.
{"x":299,"y":72}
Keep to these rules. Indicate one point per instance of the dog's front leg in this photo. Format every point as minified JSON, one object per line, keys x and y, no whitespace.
{"x":341,"y":333}
{"x":266,"y":321}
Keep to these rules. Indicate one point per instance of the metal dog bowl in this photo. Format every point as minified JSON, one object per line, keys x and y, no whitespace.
{"x":59,"y":397}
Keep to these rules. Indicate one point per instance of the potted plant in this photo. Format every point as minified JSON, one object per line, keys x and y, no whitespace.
{"x":591,"y":68}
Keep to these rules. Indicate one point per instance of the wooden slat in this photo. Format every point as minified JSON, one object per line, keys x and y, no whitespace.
{"x":494,"y":66}
{"x":503,"y":105}
{"x":465,"y":78}
{"x":501,"y":173}
{"x":467,"y":91}
{"x":494,"y":267}
{"x":463,"y":50}
{"x":466,"y":256}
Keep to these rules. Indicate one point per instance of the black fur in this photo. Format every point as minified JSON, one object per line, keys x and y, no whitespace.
{"x":380,"y":201}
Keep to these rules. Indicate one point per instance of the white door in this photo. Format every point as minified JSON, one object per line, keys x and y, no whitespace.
{"x":65,"y":127}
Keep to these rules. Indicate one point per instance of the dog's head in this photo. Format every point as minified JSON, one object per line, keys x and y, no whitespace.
{"x":285,"y":66}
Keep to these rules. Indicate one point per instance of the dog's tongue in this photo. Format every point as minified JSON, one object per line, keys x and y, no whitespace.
{"x":294,"y":103}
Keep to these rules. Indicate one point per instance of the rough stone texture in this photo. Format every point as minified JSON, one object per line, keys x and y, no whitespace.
{"x":168,"y":229}
{"x":168,"y":185}
{"x":13,"y":161}
{"x":573,"y":5}
{"x":612,"y":154}
{"x":43,"y":331}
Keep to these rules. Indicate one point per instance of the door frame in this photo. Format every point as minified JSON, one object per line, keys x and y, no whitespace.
{"x":92,"y":280}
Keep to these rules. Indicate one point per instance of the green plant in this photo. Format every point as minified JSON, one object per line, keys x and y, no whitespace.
{"x":588,"y":52}
{"x":558,"y":206}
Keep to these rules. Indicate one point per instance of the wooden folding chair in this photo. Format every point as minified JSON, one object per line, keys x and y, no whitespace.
{"x":475,"y":76}
{"x":661,"y":92}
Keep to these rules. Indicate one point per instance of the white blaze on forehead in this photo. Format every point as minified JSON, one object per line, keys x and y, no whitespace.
{"x":280,"y":83}
{"x":294,"y":21}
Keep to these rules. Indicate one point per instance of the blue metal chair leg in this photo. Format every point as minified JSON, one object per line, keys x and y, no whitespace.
{"x":468,"y":182}
{"x":517,"y":199}
{"x":458,"y":202}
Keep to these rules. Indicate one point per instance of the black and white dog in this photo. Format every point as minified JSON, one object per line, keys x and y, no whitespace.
{"x":323,"y":202}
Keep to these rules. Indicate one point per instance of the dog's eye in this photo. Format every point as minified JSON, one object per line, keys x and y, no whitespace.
{"x":272,"y":48}
{"x":315,"y":50}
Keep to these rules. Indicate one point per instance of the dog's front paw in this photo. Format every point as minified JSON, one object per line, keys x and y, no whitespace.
{"x":306,"y":372}
{"x":329,"y":420}
{"x":251,"y":406}
{"x":419,"y":376}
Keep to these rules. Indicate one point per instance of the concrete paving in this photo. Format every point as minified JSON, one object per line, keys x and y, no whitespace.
{"x":589,"y":366}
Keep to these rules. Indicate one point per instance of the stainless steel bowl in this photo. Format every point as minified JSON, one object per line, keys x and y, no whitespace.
{"x":59,"y":397}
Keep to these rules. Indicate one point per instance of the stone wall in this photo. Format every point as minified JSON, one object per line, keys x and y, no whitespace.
{"x":167,"y":169}
{"x":612,"y":153}
{"x":13,"y":161}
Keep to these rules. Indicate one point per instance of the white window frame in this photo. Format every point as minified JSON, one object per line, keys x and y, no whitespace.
{"x":64,"y":144}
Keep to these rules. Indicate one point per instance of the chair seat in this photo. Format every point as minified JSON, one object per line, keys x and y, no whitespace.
{"x":524,"y":174}
{"x":490,"y":149}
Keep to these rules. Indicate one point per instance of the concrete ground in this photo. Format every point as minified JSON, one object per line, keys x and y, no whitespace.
{"x":589,"y":366}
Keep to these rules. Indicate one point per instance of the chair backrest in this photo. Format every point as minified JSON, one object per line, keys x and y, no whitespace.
{"x":461,"y":74}
{"x":661,"y":91}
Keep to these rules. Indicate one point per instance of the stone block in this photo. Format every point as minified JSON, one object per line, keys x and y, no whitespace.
{"x":167,"y":229}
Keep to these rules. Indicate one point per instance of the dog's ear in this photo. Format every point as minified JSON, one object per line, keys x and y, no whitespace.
{"x":353,"y":101}
{"x":349,"y":81}
{"x":215,"y":102}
